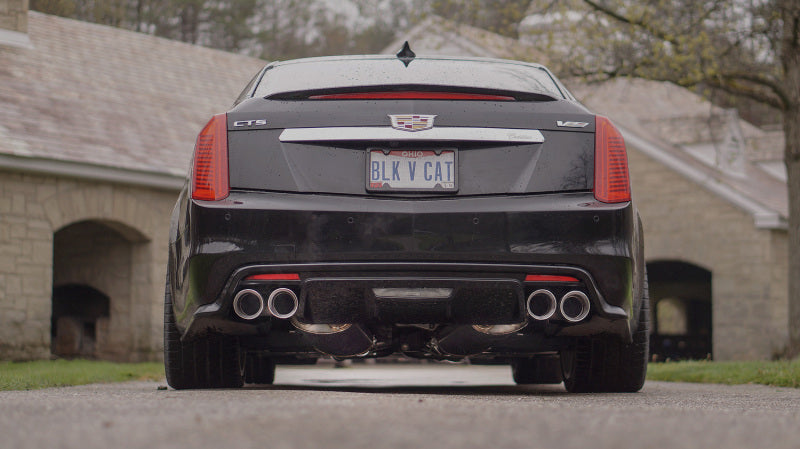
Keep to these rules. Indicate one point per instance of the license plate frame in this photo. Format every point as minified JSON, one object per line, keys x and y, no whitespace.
{"x":408,"y":170}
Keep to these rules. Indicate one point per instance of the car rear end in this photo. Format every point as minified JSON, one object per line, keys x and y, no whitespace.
{"x":438,"y":221}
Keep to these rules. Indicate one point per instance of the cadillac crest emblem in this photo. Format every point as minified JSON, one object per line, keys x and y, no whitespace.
{"x":412,"y":122}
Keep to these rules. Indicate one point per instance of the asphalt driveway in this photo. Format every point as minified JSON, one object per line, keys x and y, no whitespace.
{"x":399,"y":406}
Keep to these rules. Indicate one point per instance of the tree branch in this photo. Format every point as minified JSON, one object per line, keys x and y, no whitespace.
{"x":755,"y":78}
{"x":634,"y":22}
{"x":747,"y":92}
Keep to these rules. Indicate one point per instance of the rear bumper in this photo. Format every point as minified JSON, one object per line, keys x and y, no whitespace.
{"x":343,"y":248}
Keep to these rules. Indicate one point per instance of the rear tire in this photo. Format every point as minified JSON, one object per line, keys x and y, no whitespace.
{"x":536,"y":370}
{"x":211,"y":361}
{"x":607,"y":364}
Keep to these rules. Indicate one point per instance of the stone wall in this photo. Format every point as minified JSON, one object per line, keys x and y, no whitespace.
{"x":684,"y":222}
{"x":32,"y":209}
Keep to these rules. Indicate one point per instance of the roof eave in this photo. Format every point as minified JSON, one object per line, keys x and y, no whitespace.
{"x":90,"y":172}
{"x":763,"y":217}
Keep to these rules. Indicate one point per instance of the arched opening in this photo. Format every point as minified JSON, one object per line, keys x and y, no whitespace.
{"x":96,"y":268}
{"x":680,"y":294}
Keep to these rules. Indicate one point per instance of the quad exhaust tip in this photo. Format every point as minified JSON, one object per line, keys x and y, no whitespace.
{"x":282,"y":303}
{"x":248,"y":304}
{"x":542,"y":304}
{"x":575,"y":306}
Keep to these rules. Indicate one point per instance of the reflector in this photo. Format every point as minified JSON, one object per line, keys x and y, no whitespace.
{"x":611,"y":182}
{"x":549,"y":278}
{"x":274,"y":277}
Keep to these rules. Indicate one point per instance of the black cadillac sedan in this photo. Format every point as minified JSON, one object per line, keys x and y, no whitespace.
{"x":434,"y":207}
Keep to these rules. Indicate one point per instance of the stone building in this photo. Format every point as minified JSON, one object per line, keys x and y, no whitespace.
{"x":97,"y":126}
{"x":711,"y":191}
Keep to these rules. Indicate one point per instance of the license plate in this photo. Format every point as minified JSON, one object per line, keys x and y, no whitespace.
{"x":412,"y":170}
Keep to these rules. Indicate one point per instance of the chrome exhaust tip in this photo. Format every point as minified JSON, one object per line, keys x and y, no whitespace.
{"x":248,"y":304}
{"x":542,"y":304}
{"x":282,"y":303}
{"x":575,"y":306}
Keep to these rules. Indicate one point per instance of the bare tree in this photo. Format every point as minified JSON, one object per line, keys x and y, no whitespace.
{"x":499,"y":16}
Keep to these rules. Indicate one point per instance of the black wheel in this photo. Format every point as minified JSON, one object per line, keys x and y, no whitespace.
{"x":259,"y":369}
{"x":207,"y":362}
{"x":536,"y":370}
{"x":606,"y":364}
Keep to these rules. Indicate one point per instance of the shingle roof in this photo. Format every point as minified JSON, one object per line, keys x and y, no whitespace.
{"x":98,"y":95}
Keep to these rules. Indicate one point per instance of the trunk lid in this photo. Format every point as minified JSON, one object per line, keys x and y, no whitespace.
{"x":260,"y":160}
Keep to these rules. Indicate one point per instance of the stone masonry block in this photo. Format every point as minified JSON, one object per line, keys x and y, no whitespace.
{"x":13,"y":285}
{"x":5,"y":205}
{"x":42,"y":252}
{"x":18,"y":203}
{"x":17,"y":230}
{"x":34,"y":286}
{"x":45,"y":189}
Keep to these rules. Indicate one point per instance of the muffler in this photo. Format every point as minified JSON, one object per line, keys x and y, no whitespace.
{"x":575,"y":306}
{"x":499,"y":329}
{"x":466,"y":340}
{"x":248,"y":304}
{"x":282,"y":303}
{"x":338,"y":340}
{"x":542,"y":304}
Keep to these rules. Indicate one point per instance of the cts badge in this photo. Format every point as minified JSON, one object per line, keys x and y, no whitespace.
{"x":241,"y":123}
{"x":412,"y":122}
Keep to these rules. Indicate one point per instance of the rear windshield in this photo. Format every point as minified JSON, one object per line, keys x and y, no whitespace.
{"x":319,"y":74}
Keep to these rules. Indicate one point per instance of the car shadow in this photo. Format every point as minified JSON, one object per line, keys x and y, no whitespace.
{"x":446,"y":390}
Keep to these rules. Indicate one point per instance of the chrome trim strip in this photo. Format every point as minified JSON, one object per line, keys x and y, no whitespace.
{"x":349,"y":133}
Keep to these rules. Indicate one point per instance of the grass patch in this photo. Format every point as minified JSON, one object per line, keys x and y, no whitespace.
{"x":61,"y":373}
{"x":782,"y":373}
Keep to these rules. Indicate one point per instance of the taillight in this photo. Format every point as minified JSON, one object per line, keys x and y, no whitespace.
{"x":210,"y":171}
{"x":611,"y":182}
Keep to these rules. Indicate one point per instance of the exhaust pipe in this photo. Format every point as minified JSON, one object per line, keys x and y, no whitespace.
{"x":282,"y":303}
{"x":248,"y":304}
{"x":542,"y":304}
{"x":575,"y":306}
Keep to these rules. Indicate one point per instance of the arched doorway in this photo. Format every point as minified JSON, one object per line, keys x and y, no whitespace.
{"x":680,"y":295}
{"x":96,"y":266}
